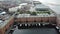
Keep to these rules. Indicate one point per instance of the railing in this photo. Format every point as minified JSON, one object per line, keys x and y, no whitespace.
{"x":38,"y":15}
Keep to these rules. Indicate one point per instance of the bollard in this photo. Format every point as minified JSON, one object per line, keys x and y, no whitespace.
{"x":26,"y":25}
{"x":39,"y":24}
{"x":43,"y":24}
{"x":29,"y":25}
{"x":20,"y":25}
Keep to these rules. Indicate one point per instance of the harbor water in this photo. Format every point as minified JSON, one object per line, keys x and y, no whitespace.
{"x":35,"y":31}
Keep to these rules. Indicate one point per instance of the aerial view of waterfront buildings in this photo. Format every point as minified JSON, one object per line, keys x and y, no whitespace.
{"x":28,"y":17}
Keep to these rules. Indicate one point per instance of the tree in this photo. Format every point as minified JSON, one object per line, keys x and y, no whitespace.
{"x":28,"y":12}
{"x":33,"y":13}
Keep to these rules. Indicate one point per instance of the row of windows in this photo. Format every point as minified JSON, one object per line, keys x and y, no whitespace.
{"x":52,"y":21}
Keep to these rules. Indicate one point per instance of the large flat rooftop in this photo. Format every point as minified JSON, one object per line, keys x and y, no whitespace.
{"x":40,"y":11}
{"x":36,"y":14}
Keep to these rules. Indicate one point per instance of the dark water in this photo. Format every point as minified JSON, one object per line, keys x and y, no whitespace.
{"x":35,"y":31}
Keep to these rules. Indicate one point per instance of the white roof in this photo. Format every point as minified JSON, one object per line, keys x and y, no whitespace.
{"x":23,"y":4}
{"x":2,"y":13}
{"x":41,"y":6}
{"x":1,"y":21}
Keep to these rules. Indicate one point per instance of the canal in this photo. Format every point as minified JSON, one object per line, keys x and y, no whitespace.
{"x":35,"y":31}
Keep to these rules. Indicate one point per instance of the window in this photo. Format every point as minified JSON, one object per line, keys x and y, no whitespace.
{"x":5,"y":30}
{"x":26,"y":21}
{"x":34,"y":20}
{"x":41,"y":20}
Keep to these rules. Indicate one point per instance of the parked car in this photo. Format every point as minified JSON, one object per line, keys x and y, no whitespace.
{"x":2,"y":12}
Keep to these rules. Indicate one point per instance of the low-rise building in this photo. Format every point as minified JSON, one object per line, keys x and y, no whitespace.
{"x":41,"y":14}
{"x":6,"y":21}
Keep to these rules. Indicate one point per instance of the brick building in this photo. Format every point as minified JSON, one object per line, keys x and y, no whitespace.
{"x":5,"y":26}
{"x":6,"y":21}
{"x":28,"y":19}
